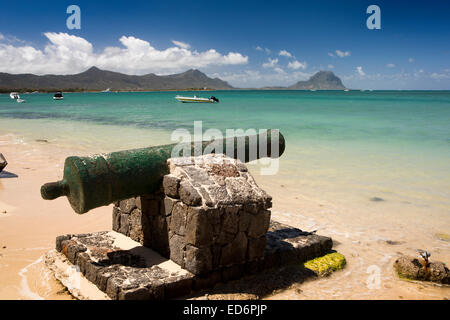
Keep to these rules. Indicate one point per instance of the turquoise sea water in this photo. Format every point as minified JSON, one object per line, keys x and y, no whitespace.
{"x":392,"y":144}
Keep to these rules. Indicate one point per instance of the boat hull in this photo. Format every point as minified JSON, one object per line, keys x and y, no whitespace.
{"x":194,"y":100}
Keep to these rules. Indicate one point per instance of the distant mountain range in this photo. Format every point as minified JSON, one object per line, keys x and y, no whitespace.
{"x":95,"y":79}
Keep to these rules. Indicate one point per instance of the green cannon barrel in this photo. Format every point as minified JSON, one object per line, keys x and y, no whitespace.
{"x":98,"y":180}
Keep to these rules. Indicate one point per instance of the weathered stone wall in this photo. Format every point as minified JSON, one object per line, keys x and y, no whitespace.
{"x":209,"y":215}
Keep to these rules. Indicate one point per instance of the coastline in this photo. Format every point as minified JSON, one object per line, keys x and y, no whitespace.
{"x":366,"y":238}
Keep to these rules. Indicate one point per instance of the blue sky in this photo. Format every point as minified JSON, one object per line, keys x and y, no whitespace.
{"x":247,"y":43}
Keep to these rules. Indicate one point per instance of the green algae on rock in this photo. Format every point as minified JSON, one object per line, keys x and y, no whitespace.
{"x":325,"y":265}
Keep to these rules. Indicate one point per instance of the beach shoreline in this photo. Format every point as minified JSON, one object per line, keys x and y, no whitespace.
{"x":30,"y":226}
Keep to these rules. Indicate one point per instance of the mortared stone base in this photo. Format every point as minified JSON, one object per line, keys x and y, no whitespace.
{"x":126,"y":270}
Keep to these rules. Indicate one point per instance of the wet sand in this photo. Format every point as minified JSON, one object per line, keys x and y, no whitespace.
{"x":30,"y":226}
{"x":365,"y":232}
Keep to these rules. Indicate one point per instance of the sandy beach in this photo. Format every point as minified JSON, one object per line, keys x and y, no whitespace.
{"x":370,"y":245}
{"x":30,"y":224}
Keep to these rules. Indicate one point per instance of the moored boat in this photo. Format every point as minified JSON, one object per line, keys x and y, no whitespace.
{"x":196,"y":99}
{"x":14,"y":95}
{"x":58,"y":96}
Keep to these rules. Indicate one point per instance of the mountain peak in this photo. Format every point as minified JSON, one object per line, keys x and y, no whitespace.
{"x":93,"y":69}
{"x":322,"y":80}
{"x":194,"y":72}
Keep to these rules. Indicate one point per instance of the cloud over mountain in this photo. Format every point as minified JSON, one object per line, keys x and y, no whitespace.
{"x":68,"y":54}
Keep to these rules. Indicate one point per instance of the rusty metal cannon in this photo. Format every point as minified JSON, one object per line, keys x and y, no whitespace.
{"x":91,"y":182}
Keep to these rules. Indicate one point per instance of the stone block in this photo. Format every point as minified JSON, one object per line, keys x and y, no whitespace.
{"x":198,"y":261}
{"x":177,"y":246}
{"x":256,"y":248}
{"x":116,"y":219}
{"x":171,"y":185}
{"x":259,"y":224}
{"x":178,"y":219}
{"x":199,"y":231}
{"x":136,"y":226}
{"x":124,"y":224}
{"x":126,"y":206}
{"x":167,"y":205}
{"x":189,"y":195}
{"x":234,"y":252}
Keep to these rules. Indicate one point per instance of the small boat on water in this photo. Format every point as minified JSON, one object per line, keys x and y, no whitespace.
{"x":58,"y":96}
{"x":107,"y":90}
{"x":196,"y":99}
{"x":14,"y":95}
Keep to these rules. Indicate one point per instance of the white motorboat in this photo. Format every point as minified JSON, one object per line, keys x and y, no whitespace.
{"x":196,"y":99}
{"x":14,"y":95}
{"x":107,"y":90}
{"x":58,"y":96}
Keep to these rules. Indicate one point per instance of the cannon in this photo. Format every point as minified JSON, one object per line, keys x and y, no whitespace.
{"x":99,"y":180}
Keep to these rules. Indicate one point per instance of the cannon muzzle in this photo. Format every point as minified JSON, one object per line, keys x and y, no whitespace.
{"x":98,"y":180}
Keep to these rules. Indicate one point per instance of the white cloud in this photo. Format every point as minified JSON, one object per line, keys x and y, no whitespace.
{"x":343,"y":54}
{"x":285,"y":53}
{"x":279,"y":70}
{"x":390,"y":65}
{"x":1,"y":36}
{"x":411,"y":60}
{"x":68,"y":54}
{"x":330,"y":66}
{"x":256,"y":78}
{"x":360,"y":71}
{"x":330,"y":54}
{"x":417,"y":80}
{"x":439,"y":76}
{"x":297,"y":65}
{"x":180,"y":44}
{"x":271,"y":63}
{"x":267,"y":50}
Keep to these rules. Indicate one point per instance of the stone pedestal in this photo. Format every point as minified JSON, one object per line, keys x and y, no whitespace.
{"x":209,"y":223}
{"x":209,"y":214}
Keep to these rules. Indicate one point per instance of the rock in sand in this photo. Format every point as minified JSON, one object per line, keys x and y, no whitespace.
{"x":3,"y":162}
{"x":415,"y":269}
